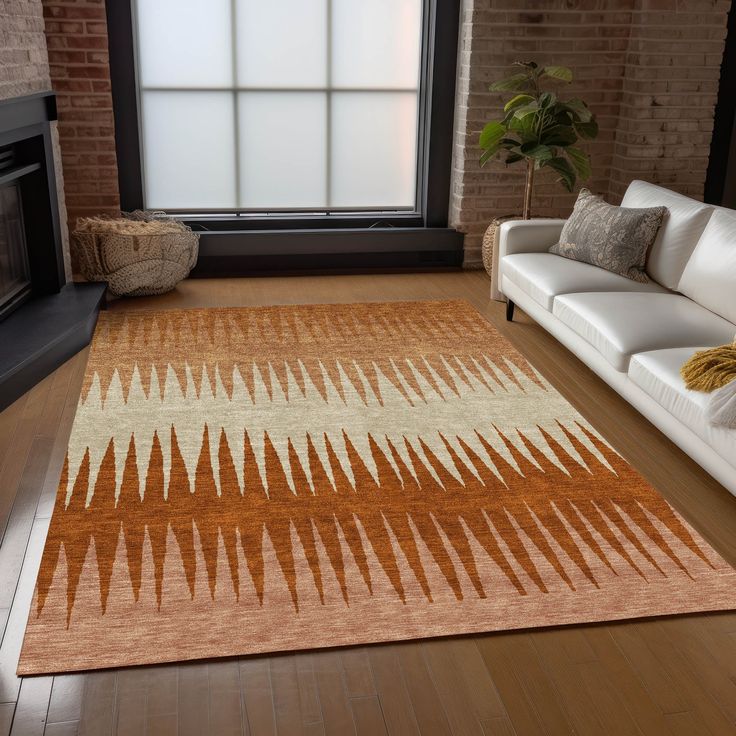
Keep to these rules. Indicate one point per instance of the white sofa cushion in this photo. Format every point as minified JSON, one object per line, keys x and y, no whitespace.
{"x":710,"y":275}
{"x":657,"y":373}
{"x":620,"y":324}
{"x":544,"y":275}
{"x":683,"y":225}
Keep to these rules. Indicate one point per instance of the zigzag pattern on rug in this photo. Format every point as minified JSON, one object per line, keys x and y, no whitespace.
{"x":408,"y":505}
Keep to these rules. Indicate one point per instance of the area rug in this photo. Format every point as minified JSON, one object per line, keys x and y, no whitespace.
{"x":266,"y":479}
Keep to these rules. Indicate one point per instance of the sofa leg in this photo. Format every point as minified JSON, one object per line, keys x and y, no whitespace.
{"x":510,"y":311}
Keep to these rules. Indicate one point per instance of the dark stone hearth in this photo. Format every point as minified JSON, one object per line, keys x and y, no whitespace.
{"x":43,"y":333}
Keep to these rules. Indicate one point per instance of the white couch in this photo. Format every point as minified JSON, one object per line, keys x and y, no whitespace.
{"x":636,"y":336}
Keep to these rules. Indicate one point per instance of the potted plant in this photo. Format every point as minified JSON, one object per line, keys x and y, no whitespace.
{"x":538,"y":128}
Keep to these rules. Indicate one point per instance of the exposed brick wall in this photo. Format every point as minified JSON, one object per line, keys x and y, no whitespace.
{"x":24,"y":64}
{"x":24,"y":70}
{"x":669,"y":94}
{"x":648,"y":68}
{"x":76,"y":33}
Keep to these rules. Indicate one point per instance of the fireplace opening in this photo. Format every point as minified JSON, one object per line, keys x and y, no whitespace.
{"x":24,"y":203}
{"x":15,"y":272}
{"x":31,"y":255}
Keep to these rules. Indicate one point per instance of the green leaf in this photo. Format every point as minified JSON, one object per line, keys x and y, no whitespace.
{"x":486,"y":156}
{"x":513,"y":158}
{"x":525,"y":110}
{"x":524,"y":128}
{"x":563,"y":168}
{"x":507,"y":119}
{"x":578,"y":109}
{"x":562,"y":73}
{"x":516,"y":101}
{"x":514,"y":83}
{"x":587,"y":130}
{"x":537,"y":152}
{"x":580,"y":161}
{"x":558,"y":135}
{"x":491,"y":135}
{"x":547,"y":98}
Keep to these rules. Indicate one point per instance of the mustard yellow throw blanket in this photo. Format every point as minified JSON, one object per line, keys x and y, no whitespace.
{"x":710,"y":369}
{"x":714,"y":371}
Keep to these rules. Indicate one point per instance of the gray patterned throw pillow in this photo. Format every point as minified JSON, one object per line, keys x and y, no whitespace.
{"x":615,"y":238}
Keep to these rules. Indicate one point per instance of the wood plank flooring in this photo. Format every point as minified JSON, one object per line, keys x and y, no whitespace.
{"x":663,"y":676}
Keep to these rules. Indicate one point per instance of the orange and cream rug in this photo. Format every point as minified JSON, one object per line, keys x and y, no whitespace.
{"x":265,"y":479}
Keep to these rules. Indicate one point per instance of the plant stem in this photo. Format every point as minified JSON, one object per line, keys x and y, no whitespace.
{"x":527,"y":213}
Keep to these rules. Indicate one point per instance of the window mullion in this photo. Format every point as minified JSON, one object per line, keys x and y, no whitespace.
{"x":236,"y":111}
{"x":328,"y":102}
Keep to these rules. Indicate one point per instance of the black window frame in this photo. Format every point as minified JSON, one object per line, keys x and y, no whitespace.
{"x":231,"y":242}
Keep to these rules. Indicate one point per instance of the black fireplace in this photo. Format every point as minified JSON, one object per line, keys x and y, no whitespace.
{"x":43,"y":319}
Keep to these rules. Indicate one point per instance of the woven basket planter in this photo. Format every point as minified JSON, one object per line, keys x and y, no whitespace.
{"x":135,"y":257}
{"x":489,"y":252}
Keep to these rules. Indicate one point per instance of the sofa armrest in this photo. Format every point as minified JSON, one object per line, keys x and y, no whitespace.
{"x":522,"y":236}
{"x":528,"y":236}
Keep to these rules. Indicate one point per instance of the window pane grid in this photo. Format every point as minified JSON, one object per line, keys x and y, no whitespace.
{"x":359,"y":153}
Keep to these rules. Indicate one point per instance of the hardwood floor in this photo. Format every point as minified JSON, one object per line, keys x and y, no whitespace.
{"x":662,"y":676}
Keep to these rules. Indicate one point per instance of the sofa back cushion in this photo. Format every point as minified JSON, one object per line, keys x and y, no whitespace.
{"x":679,"y":233}
{"x":709,"y":277}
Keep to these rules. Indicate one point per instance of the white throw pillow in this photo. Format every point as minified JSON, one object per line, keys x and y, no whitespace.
{"x":721,"y":408}
{"x":684,"y":224}
{"x":710,"y":275}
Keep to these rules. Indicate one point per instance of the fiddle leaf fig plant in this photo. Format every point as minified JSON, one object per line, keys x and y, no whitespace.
{"x":539,"y":128}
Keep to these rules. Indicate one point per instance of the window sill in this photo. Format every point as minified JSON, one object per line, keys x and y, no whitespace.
{"x":233,"y":253}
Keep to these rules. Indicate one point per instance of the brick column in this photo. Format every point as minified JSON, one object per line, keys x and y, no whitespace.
{"x":76,"y":34}
{"x":670,"y":89}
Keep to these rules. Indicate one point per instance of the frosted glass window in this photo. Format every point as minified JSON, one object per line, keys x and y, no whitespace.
{"x":184,"y":43}
{"x":261,"y":105}
{"x":375,"y":43}
{"x":373,"y":149}
{"x":283,"y":162}
{"x":282,"y":43}
{"x":189,"y":146}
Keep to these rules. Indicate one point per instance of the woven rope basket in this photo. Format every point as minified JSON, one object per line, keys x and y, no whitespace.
{"x":490,"y":238}
{"x":136,"y":257}
{"x":489,"y":251}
